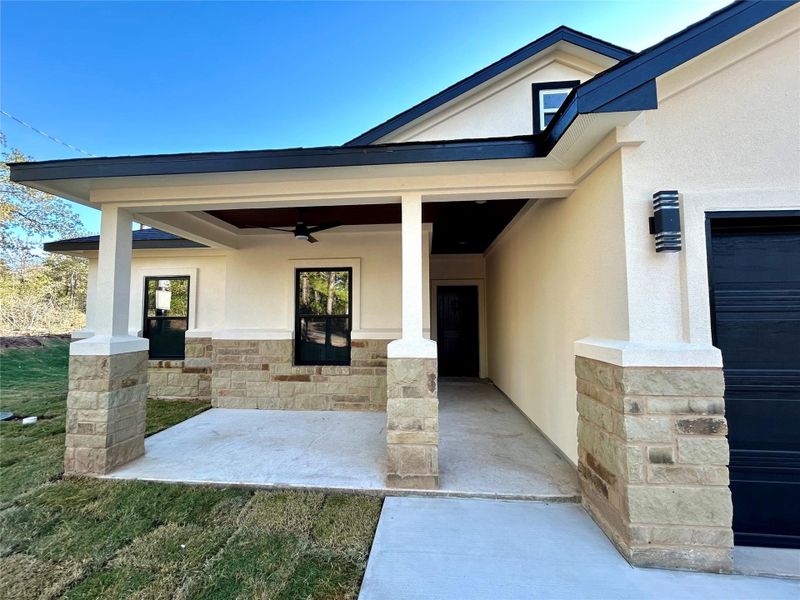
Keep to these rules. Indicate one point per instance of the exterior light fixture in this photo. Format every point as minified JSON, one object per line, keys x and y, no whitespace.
{"x":665,"y":223}
{"x":163,"y":295}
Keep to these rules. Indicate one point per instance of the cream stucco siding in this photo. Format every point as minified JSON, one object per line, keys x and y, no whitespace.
{"x":501,"y":108}
{"x":726,"y":136}
{"x":259,"y":287}
{"x":207,"y":280}
{"x":250,"y":291}
{"x":556,"y":275}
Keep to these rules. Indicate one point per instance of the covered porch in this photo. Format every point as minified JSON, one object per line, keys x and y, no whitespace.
{"x":248,"y":324}
{"x":487,"y":448}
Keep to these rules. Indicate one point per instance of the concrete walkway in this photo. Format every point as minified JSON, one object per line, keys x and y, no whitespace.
{"x":452,"y":548}
{"x":487,"y":449}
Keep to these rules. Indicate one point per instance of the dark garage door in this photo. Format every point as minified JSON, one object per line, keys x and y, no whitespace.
{"x":755,"y":303}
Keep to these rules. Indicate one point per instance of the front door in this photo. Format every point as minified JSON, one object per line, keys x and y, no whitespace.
{"x":166,"y":315}
{"x":755,"y":299}
{"x":457,"y":330}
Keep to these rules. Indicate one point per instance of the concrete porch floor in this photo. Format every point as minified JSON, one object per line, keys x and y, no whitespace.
{"x":487,"y":449}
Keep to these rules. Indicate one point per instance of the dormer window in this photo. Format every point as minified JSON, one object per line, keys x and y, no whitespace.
{"x":547,"y":99}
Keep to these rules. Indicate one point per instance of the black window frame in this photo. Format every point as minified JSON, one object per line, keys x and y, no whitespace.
{"x":544,"y":86}
{"x":297,"y":316}
{"x":146,"y":318}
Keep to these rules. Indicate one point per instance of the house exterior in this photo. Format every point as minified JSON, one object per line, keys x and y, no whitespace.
{"x":500,"y":229}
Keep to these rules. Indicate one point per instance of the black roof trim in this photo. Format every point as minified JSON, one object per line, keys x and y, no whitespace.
{"x":679,"y":48}
{"x":262,"y":160}
{"x":559,"y":34}
{"x":630,"y":84}
{"x":143,"y":239}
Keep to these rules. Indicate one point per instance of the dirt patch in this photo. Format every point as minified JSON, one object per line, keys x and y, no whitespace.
{"x":30,"y":341}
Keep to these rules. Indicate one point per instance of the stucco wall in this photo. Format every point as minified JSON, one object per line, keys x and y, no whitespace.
{"x":555,"y":276}
{"x":726,"y":135}
{"x":250,"y":290}
{"x":587,"y":267}
{"x":260,"y":285}
{"x":504,"y":107}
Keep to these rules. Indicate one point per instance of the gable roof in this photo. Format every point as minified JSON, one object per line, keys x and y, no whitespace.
{"x":560,"y":34}
{"x":628,"y":86}
{"x":142,"y":239}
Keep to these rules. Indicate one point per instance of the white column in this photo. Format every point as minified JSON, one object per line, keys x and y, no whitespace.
{"x":113,"y":289}
{"x":412,"y":343}
{"x":412,"y":266}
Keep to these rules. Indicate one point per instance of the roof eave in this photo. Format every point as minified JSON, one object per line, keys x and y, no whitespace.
{"x":265,"y":160}
{"x":60,"y":246}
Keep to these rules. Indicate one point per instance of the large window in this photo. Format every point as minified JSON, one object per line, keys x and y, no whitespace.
{"x":547,"y":99}
{"x":166,"y":315}
{"x":323,"y":316}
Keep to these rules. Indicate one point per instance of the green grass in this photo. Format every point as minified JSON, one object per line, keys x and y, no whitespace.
{"x":88,"y":538}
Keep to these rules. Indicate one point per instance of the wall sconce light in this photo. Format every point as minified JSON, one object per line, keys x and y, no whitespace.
{"x":665,"y":223}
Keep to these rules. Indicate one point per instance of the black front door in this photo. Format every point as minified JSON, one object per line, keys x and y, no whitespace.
{"x":755,"y":299}
{"x":166,"y":315}
{"x":457,"y":330}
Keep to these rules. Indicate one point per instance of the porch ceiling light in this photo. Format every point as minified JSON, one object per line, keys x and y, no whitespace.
{"x":665,"y":223}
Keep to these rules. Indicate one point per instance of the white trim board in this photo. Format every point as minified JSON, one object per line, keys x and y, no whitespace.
{"x":625,"y":353}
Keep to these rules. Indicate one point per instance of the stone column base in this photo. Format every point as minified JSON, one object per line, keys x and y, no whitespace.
{"x":652,"y":462}
{"x":412,"y":423}
{"x":106,"y":408}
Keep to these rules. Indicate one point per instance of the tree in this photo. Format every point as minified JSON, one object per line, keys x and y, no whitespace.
{"x":28,"y":216}
{"x":38,"y":293}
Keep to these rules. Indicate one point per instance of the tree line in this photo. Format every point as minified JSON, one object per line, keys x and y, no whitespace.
{"x":40,"y":293}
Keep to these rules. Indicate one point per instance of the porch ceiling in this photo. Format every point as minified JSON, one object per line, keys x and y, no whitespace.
{"x":458,"y":227}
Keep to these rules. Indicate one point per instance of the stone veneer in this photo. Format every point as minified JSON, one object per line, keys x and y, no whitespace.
{"x":261,"y":374}
{"x":106,"y":408}
{"x":653,"y":462}
{"x":188,"y":379}
{"x":412,"y":423}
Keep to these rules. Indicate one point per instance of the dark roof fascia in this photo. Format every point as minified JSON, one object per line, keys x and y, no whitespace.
{"x":677,"y":49}
{"x":93,"y":243}
{"x":631,"y":84}
{"x":264,"y":160}
{"x":562,"y":33}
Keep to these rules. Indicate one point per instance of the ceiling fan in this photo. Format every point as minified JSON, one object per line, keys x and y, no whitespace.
{"x":301,"y":231}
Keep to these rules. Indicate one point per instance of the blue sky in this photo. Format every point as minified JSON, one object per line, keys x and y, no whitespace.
{"x":118,"y":78}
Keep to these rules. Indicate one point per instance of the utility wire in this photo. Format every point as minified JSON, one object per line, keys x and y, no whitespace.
{"x":47,"y":135}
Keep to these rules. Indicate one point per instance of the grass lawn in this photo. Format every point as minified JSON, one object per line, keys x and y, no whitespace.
{"x":86,"y":538}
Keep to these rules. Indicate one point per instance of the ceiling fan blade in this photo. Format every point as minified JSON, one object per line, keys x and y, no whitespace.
{"x":281,"y":229}
{"x":323,"y":227}
{"x":312,"y":240}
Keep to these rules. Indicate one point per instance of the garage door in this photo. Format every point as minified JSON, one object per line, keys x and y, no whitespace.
{"x":755,"y":302}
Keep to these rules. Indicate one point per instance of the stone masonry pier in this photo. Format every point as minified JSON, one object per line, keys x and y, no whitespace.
{"x":106,"y":408}
{"x":653,"y":462}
